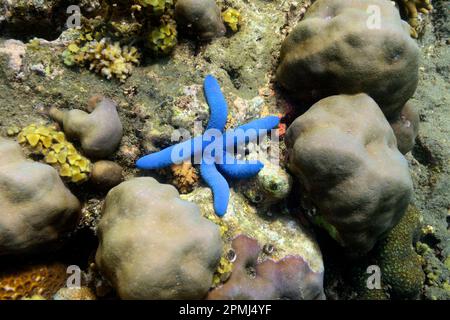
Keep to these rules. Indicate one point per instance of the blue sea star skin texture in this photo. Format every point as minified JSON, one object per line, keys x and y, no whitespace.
{"x":214,"y":166}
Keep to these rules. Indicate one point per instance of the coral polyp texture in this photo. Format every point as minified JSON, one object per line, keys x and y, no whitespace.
{"x":200,"y":18}
{"x":153,"y":245}
{"x":99,"y":132}
{"x":104,"y":57}
{"x":255,"y":279}
{"x":345,"y":155}
{"x":36,"y":209}
{"x":338,"y":49}
{"x":401,"y":273}
{"x":163,"y":38}
{"x":25,"y":282}
{"x":232,"y":18}
{"x":185,"y":176}
{"x":57,"y":151}
{"x":401,"y":266}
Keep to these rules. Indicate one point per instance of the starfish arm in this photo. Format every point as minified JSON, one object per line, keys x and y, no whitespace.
{"x":218,"y":185}
{"x":170,"y":155}
{"x":240,"y":170}
{"x":259,"y":127}
{"x":266,"y":123}
{"x":217,"y":104}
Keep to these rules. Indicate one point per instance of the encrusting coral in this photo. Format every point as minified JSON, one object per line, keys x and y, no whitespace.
{"x":255,"y":279}
{"x":30,"y":281}
{"x":400,"y":266}
{"x":185,"y":248}
{"x":36,"y":209}
{"x":99,"y":132}
{"x":57,"y":151}
{"x":338,"y":49}
{"x":344,"y":153}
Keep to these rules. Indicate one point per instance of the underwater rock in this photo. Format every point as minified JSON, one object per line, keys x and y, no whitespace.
{"x":290,"y":278}
{"x":344,"y":154}
{"x":36,"y":209}
{"x":153,"y":245}
{"x":340,"y":48}
{"x":15,"y":50}
{"x":200,"y":17}
{"x":106,"y":174}
{"x":406,"y":128}
{"x":278,"y":233}
{"x":99,"y":132}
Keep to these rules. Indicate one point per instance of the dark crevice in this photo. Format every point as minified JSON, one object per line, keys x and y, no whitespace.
{"x":234,"y":75}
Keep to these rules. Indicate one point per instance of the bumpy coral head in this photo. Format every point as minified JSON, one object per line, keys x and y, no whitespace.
{"x":340,"y":48}
{"x":201,"y":18}
{"x":344,"y":153}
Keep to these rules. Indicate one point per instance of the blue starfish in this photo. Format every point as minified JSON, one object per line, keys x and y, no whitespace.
{"x":214,"y":165}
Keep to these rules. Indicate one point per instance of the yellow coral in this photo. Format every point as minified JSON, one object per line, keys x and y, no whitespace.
{"x":156,"y":5}
{"x":223,"y":271}
{"x":57,"y":151}
{"x":184,"y":176}
{"x":163,"y":38}
{"x":104,"y":57}
{"x":412,"y":9}
{"x":231,"y":17}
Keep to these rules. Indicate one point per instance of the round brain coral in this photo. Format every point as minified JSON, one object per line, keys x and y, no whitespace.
{"x":153,"y":245}
{"x":36,"y":209}
{"x":344,"y":153}
{"x":344,"y":47}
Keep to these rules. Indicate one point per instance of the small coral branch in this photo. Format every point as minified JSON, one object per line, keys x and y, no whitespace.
{"x":412,"y":9}
{"x":104,"y":57}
